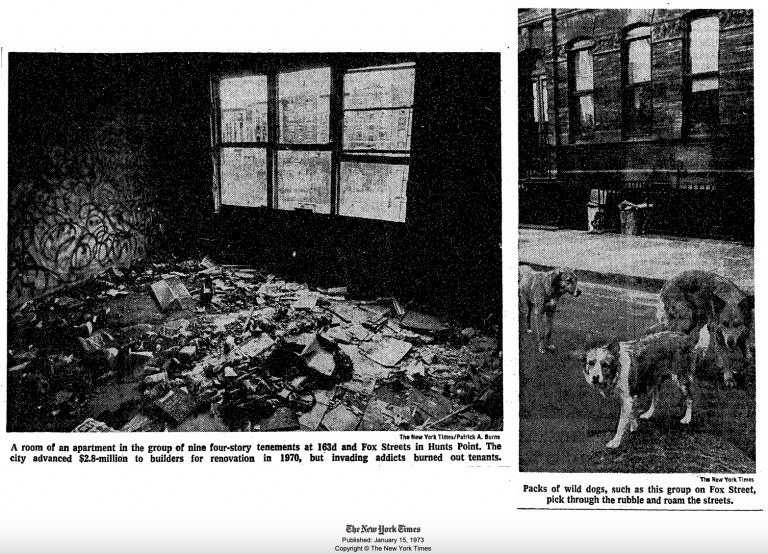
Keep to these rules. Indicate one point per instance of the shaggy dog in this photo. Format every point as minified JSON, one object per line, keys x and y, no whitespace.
{"x":703,"y":302}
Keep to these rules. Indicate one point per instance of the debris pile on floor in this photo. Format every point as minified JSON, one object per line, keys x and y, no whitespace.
{"x":202,"y":347}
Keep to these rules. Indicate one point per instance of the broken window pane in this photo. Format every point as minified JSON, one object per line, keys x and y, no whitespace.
{"x":374,"y":191}
{"x":379,"y":88}
{"x":244,"y":176}
{"x":304,"y":181}
{"x":639,"y":110}
{"x":705,"y":44}
{"x":377,"y":130}
{"x":704,"y":111}
{"x":243,"y":102}
{"x":304,"y":106}
{"x":586,"y":114}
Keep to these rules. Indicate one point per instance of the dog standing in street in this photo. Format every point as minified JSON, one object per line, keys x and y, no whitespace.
{"x":629,"y":369}
{"x":539,"y":292}
{"x":712,"y":307}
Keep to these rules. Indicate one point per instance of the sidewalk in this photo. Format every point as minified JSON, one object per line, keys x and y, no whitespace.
{"x":644,"y":261}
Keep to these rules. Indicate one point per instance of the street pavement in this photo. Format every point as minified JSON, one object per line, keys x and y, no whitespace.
{"x":564,"y":421}
{"x":645,"y":261}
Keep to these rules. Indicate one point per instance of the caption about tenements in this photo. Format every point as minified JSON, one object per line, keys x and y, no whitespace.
{"x":705,"y":492}
{"x":407,"y":447}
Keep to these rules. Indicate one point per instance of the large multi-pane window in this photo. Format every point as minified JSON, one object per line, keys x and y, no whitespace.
{"x":582,"y":97}
{"x":327,"y":140}
{"x":702,"y":109}
{"x":638,"y":97}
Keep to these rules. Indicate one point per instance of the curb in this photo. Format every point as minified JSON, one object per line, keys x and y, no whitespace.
{"x":648,"y":284}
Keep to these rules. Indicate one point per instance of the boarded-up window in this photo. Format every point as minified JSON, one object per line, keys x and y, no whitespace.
{"x":378,"y":113}
{"x":243,"y":108}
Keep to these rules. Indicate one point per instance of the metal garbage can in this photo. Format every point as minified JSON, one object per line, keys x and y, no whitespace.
{"x":633,"y":217}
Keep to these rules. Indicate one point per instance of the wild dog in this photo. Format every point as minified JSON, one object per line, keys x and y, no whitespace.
{"x":539,"y":292}
{"x":630,"y":369}
{"x":713,"y":306}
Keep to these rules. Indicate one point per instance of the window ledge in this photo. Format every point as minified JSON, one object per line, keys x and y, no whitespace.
{"x":641,"y":138}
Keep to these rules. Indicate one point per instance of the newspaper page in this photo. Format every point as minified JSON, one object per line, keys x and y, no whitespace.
{"x":271,"y":286}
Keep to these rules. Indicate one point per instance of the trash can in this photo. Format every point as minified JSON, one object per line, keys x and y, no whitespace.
{"x":598,"y":215}
{"x":633,"y":217}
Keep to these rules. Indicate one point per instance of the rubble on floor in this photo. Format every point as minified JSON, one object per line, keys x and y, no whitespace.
{"x":200,"y":346}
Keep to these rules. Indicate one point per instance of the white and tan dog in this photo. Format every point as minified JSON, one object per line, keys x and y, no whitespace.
{"x":630,"y":369}
{"x":539,"y":292}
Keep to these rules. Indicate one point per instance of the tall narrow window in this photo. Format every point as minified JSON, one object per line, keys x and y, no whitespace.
{"x":378,"y":108}
{"x":704,"y":79}
{"x":582,"y":104}
{"x":539,"y":86}
{"x":304,"y":152}
{"x":243,"y":155}
{"x":638,"y":98}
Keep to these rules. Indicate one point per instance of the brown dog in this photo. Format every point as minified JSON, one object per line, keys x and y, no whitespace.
{"x":539,"y":292}
{"x":713,"y":306}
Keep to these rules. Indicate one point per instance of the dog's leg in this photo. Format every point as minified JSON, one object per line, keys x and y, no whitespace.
{"x":723,"y":363}
{"x":649,"y":412}
{"x":550,"y":316}
{"x":633,"y":419}
{"x":528,"y":318}
{"x":627,"y":406}
{"x":540,"y":330}
{"x":685,"y":388}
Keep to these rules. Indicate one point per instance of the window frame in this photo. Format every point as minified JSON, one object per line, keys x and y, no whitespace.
{"x":575,"y":96}
{"x":690,"y":78}
{"x":334,"y":146}
{"x":629,"y":89}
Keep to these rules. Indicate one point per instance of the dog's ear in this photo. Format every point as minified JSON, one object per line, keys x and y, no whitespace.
{"x":747,"y":305}
{"x":553,"y":278}
{"x":578,"y":354}
{"x":717,"y":304}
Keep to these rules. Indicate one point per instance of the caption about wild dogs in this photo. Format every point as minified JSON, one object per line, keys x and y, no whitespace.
{"x":412,"y":447}
{"x":710,"y":492}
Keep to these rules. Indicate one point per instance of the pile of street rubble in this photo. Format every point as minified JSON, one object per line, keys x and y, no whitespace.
{"x":196,"y":346}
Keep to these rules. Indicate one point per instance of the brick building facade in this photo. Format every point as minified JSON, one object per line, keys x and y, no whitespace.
{"x":656,"y":105}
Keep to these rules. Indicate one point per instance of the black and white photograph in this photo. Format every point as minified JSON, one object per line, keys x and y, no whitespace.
{"x":636,"y":240}
{"x":254,"y":242}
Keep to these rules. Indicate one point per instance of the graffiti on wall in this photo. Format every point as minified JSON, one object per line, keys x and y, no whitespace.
{"x":83,"y":211}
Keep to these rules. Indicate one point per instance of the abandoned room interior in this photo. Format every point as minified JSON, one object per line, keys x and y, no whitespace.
{"x":254,"y":242}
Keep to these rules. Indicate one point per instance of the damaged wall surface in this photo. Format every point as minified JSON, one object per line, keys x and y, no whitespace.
{"x":89,"y":161}
{"x":84,"y":211}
